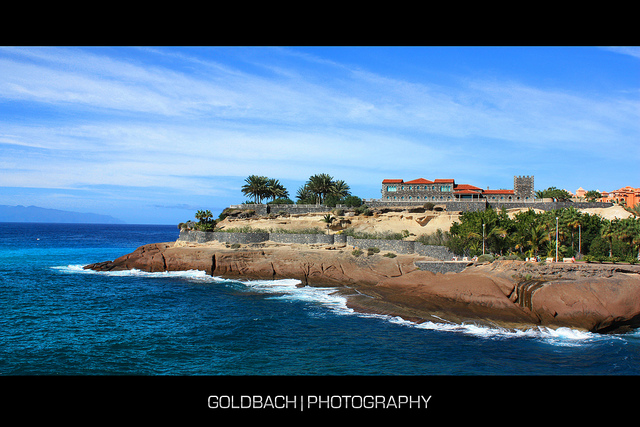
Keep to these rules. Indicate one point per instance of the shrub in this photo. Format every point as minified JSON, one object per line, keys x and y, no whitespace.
{"x":372,"y":251}
{"x":352,"y":201}
{"x":356,"y":252}
{"x":390,"y":255}
{"x":485,"y":258}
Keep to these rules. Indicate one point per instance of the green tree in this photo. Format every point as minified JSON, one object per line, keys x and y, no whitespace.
{"x":592,"y":195}
{"x":553,"y":193}
{"x":536,"y":238}
{"x":320,"y":185}
{"x":340,"y":189}
{"x":629,"y":232}
{"x":257,"y":187}
{"x":275,"y":190}
{"x":305,"y":195}
{"x":205,"y":220}
{"x":609,"y":232}
{"x":571,"y":219}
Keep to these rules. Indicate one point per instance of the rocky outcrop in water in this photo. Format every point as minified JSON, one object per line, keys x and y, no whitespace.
{"x":511,"y":294}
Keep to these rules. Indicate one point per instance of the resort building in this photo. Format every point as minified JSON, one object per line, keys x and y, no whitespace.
{"x":627,"y":196}
{"x":446,"y":190}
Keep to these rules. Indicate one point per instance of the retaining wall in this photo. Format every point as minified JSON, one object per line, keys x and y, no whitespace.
{"x":442,"y":266}
{"x":399,"y":246}
{"x":451,"y":205}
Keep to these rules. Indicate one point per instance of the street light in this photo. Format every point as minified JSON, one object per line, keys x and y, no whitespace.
{"x":580,"y":240}
{"x":482,"y":239}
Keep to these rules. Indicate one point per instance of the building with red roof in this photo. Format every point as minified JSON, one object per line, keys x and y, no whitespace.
{"x":446,"y":190}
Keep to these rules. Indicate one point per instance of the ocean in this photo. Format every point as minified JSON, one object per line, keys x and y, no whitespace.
{"x":61,"y":320}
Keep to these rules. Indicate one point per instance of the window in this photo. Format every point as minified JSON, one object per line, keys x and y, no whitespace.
{"x":392,"y":188}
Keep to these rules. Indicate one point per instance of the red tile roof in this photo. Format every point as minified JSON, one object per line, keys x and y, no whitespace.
{"x":392,"y":181}
{"x":466,"y":187}
{"x":419,"y":181}
{"x":444,"y":180}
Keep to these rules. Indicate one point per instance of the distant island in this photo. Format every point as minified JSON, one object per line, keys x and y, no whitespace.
{"x":37,"y":214}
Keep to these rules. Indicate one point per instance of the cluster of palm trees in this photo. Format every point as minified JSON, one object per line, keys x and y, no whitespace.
{"x":315,"y":191}
{"x":319,"y":187}
{"x":565,"y":232}
{"x":261,"y":187}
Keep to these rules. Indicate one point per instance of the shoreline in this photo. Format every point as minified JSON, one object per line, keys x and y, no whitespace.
{"x":507,"y":294}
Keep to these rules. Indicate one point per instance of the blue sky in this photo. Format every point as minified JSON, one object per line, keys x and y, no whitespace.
{"x":152,"y":134}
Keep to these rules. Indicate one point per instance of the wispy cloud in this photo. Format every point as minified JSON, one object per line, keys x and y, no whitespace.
{"x":131,"y":117}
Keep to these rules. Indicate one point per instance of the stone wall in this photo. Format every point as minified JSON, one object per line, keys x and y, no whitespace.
{"x":472,"y":206}
{"x":451,"y":206}
{"x":399,"y":246}
{"x":442,"y":266}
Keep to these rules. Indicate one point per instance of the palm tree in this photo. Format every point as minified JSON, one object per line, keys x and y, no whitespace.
{"x":275,"y":190}
{"x":305,"y":195}
{"x":340,"y":189}
{"x":571,"y":218}
{"x":328,"y":218}
{"x":537,"y":237}
{"x":320,"y":185}
{"x":609,"y":232}
{"x":204,"y":216}
{"x":629,"y":231}
{"x":256,"y":187}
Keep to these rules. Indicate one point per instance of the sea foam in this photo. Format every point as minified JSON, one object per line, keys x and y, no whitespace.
{"x":329,"y":298}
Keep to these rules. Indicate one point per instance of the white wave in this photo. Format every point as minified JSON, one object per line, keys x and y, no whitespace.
{"x":328,"y":297}
{"x":198,"y":275}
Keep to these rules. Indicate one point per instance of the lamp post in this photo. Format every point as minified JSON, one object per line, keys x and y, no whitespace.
{"x":556,"y":239}
{"x":580,"y":240}
{"x":482,"y":239}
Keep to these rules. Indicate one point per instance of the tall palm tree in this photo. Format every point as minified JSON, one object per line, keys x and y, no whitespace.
{"x":275,"y":190}
{"x":321,"y":185}
{"x":537,"y":237}
{"x":256,"y":187}
{"x":340,"y":189}
{"x":305,"y":195}
{"x":609,"y":231}
{"x":629,"y":231}
{"x":571,"y":218}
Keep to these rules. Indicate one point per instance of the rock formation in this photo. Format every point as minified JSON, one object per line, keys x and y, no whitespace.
{"x":510,"y":294}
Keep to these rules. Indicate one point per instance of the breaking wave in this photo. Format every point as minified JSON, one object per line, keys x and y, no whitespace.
{"x":331,"y":299}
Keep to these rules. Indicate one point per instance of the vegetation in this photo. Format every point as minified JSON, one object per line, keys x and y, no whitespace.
{"x":553,"y":193}
{"x":592,"y":195}
{"x":373,"y":250}
{"x":530,"y":234}
{"x":323,"y":189}
{"x":205,"y":221}
{"x":262,"y":187}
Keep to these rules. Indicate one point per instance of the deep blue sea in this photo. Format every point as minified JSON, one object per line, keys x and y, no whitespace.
{"x":58,"y":319}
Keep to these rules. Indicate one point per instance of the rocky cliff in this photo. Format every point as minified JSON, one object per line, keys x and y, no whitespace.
{"x":509,"y":294}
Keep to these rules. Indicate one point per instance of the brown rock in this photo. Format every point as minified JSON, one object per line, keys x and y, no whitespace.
{"x":590,"y":297}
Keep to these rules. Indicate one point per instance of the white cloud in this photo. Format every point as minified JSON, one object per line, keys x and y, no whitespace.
{"x":133,"y":123}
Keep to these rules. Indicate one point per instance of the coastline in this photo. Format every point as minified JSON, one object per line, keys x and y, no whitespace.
{"x":506,"y":294}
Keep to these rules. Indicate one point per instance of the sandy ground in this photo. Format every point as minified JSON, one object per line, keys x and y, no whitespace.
{"x":396,"y":222}
{"x":416,"y":224}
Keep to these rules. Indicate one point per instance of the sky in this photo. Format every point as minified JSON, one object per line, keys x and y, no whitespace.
{"x":151,"y":134}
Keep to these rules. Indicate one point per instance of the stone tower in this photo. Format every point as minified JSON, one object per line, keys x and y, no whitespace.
{"x":523,"y":187}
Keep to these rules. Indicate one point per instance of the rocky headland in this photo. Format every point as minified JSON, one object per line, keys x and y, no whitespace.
{"x":510,"y":294}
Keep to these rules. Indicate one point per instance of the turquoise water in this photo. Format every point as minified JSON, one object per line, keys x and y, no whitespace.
{"x":58,"y":319}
